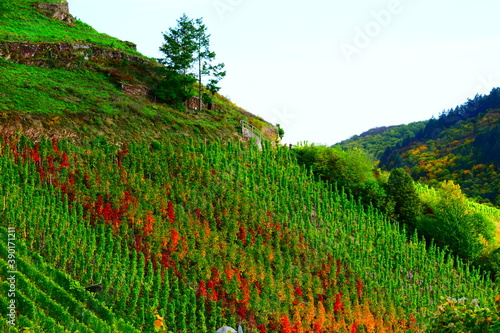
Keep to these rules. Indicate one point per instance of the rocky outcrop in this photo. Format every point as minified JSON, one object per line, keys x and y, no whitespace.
{"x":270,"y":132}
{"x":58,"y":11}
{"x":130,"y":45}
{"x":137,"y":90}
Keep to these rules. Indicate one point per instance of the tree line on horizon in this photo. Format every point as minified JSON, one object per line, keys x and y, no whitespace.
{"x":461,"y":145}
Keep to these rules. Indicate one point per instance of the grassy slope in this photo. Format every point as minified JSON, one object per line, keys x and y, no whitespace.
{"x":21,"y":23}
{"x":87,"y":99}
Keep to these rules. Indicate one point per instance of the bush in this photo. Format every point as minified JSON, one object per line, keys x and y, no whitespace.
{"x":352,"y":169}
{"x":450,"y":222}
{"x":464,"y":316}
{"x":155,"y":145}
{"x":175,"y":88}
{"x":401,"y":189}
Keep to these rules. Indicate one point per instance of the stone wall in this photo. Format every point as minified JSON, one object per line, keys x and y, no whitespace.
{"x":249,"y":134}
{"x":68,"y":55}
{"x":194,"y":104}
{"x":63,"y":54}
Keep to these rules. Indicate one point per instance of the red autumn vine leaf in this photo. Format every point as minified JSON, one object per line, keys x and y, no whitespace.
{"x":359,"y":287}
{"x":285,"y":322}
{"x":148,"y":224}
{"x":35,"y":154}
{"x":65,"y":161}
{"x":339,"y":305}
{"x":174,"y":240}
{"x":71,"y":179}
{"x":170,"y":212}
{"x":55,"y":146}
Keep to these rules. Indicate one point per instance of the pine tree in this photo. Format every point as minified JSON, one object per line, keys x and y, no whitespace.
{"x":188,"y":58}
{"x":179,"y":49}
{"x":204,"y":58}
{"x":179,"y":46}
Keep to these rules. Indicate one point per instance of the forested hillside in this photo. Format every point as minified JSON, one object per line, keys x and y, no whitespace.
{"x":377,"y":140}
{"x":121,"y":211}
{"x":462,"y":145}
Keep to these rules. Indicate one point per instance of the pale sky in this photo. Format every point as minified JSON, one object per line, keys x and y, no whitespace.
{"x":326,"y":70}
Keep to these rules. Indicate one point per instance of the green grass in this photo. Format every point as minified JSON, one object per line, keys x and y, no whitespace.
{"x":56,"y":91}
{"x":21,"y":23}
{"x":90,"y":103}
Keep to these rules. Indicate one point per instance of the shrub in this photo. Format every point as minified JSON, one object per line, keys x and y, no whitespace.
{"x":450,"y":222}
{"x":464,"y":316}
{"x":352,"y":169}
{"x":401,"y":189}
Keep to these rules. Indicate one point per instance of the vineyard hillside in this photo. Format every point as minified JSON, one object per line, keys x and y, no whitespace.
{"x":122,"y":213}
{"x":189,"y":237}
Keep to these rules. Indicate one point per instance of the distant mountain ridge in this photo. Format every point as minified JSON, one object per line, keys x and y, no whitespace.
{"x":462,"y":144}
{"x":377,"y":140}
{"x":377,"y":130}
